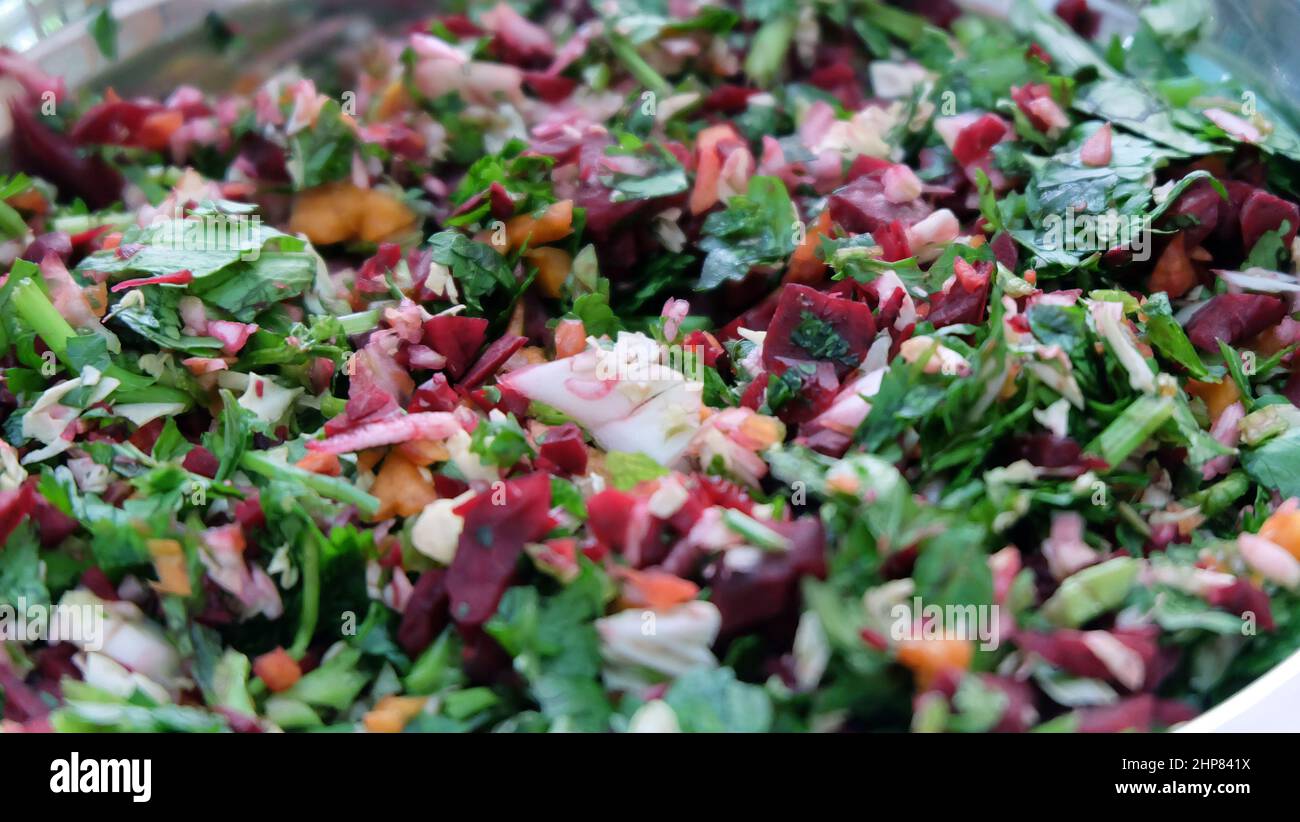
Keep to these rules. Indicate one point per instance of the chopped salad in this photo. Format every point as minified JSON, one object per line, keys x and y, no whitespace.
{"x":654,"y":365}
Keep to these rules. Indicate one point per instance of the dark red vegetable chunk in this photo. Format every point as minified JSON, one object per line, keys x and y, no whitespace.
{"x":1137,"y":713}
{"x":806,"y":318}
{"x":1199,"y":209}
{"x":497,"y":523}
{"x":426,"y":612}
{"x":54,"y":157}
{"x":1233,"y":318}
{"x":201,"y":461}
{"x":1079,"y":16}
{"x":15,"y":505}
{"x":962,"y":303}
{"x":565,"y":447}
{"x":456,"y":338}
{"x":1263,"y":212}
{"x":1242,"y":597}
{"x":435,"y":394}
{"x":862,"y":207}
{"x":751,"y":596}
{"x":976,"y":140}
{"x":493,"y":358}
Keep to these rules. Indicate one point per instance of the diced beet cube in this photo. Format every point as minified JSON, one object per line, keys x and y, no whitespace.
{"x":1263,"y":212}
{"x":851,"y":323}
{"x":491,"y":542}
{"x":975,"y":141}
{"x":426,"y":612}
{"x":201,"y":461}
{"x":456,"y":338}
{"x":1200,"y":205}
{"x":434,"y":394}
{"x":493,"y":358}
{"x":1233,"y":318}
{"x":861,"y":206}
{"x":565,"y":447}
{"x":15,"y":505}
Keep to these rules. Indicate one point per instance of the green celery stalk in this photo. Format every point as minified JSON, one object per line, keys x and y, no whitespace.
{"x":40,"y":315}
{"x":332,"y":487}
{"x":767,"y":51}
{"x":637,"y":66}
{"x":1088,"y":594}
{"x":1131,"y":428}
{"x":310,"y":591}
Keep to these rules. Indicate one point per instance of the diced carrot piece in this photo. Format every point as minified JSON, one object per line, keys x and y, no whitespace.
{"x":383,"y":217}
{"x":111,"y":240}
{"x":97,"y":297}
{"x":928,"y":657}
{"x":31,"y":200}
{"x":1283,"y":529}
{"x":157,"y":129}
{"x":394,"y":100}
{"x":340,"y":212}
{"x":1217,"y":395}
{"x":391,"y":714}
{"x":805,"y":266}
{"x":277,"y":669}
{"x":383,"y":722}
{"x":553,"y":266}
{"x":656,"y":590}
{"x":319,"y":462}
{"x":424,"y":452}
{"x":369,"y":458}
{"x":169,"y":562}
{"x":570,"y":338}
{"x":401,"y":487}
{"x":1174,"y":273}
{"x":708,"y":166}
{"x":555,"y":223}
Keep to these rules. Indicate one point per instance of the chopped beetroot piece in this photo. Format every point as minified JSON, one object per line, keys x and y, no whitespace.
{"x":15,"y":505}
{"x":426,"y":612}
{"x":750,"y":596}
{"x":1079,"y":16}
{"x":1233,"y":318}
{"x":44,"y":153}
{"x":1263,"y":212}
{"x":435,"y":394}
{"x":807,"y":317}
{"x":974,"y":142}
{"x":457,"y":338}
{"x":491,"y":541}
{"x":493,"y":358}
{"x":892,"y":240}
{"x":861,"y":207}
{"x":565,"y":447}
{"x":1198,"y":208}
{"x":201,"y":461}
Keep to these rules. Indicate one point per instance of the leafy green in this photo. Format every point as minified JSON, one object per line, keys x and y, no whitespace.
{"x":478,"y":268}
{"x":756,"y":228}
{"x":712,"y":700}
{"x":629,"y":468}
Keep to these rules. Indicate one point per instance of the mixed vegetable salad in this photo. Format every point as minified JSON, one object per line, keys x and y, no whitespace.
{"x":654,"y":365}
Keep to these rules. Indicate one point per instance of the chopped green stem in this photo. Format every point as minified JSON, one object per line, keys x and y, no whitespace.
{"x":332,"y":487}
{"x":636,"y":65}
{"x":1131,"y":428}
{"x":767,"y":52}
{"x":40,"y":315}
{"x":360,"y":321}
{"x":310,"y":570}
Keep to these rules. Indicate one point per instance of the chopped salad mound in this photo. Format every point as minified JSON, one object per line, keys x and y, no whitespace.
{"x":654,"y":366}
